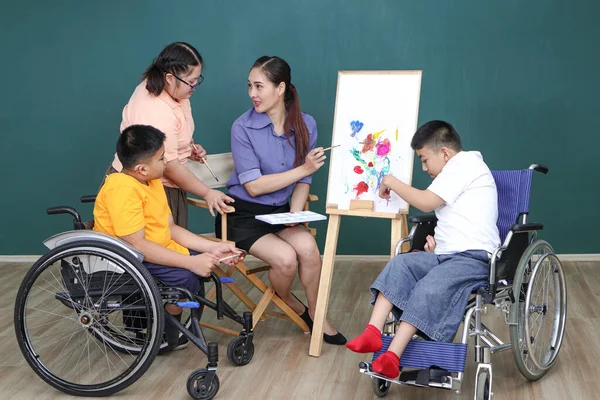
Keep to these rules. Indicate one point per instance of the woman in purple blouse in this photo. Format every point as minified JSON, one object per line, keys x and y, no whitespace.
{"x":273,"y":147}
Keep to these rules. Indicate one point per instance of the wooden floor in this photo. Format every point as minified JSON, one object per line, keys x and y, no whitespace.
{"x":282,"y":369}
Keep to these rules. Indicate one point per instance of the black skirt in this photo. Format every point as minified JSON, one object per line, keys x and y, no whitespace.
{"x":243,"y":228}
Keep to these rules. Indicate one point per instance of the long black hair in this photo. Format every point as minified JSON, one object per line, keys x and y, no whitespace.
{"x":278,"y":70}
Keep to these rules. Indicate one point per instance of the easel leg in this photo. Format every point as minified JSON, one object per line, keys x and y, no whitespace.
{"x":316,"y":340}
{"x":399,"y":231}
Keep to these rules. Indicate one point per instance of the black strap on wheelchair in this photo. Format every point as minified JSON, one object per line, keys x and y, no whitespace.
{"x":425,"y":376}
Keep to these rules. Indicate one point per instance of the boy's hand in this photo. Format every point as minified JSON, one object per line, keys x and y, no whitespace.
{"x":384,"y":187}
{"x":203,"y":264}
{"x":224,"y":250}
{"x":198,"y":152}
{"x":430,"y":244}
{"x":217,"y":200}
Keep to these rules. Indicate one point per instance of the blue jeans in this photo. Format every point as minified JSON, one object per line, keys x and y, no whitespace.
{"x":431,"y":291}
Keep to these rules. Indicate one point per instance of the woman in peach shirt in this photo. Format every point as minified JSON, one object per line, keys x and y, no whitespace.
{"x":162,"y":100}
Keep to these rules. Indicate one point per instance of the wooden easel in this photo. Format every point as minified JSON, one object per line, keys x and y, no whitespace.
{"x":357,"y":209}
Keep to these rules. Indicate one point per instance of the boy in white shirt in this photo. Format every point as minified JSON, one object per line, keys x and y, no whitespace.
{"x":428,"y":291}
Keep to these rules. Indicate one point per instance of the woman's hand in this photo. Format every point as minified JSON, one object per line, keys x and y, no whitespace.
{"x":430,"y":244}
{"x":314,"y":160}
{"x":217,"y":200}
{"x":224,"y":250}
{"x":203,"y":264}
{"x":198,"y":152}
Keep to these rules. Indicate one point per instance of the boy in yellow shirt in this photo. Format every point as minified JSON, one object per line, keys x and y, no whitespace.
{"x":132,"y":205}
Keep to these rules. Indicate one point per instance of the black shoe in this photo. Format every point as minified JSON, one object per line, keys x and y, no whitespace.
{"x":306,"y":318}
{"x":337,"y":339}
{"x":182,"y":343}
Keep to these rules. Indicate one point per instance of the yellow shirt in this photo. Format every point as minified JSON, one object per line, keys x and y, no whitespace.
{"x":171,"y":117}
{"x":124,"y":206}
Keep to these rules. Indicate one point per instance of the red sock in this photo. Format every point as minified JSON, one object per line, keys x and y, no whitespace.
{"x":367,"y":342}
{"x":387,"y":364}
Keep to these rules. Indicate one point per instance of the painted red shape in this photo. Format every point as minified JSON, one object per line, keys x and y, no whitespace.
{"x":370,"y":164}
{"x":358,"y":169}
{"x":361,"y":188}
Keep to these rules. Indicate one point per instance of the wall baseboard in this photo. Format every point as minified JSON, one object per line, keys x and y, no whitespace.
{"x":371,"y":258}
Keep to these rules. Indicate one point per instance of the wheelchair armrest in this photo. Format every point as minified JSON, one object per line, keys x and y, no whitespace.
{"x":420,"y":233}
{"x":423,"y":226}
{"x":203,"y":204}
{"x":528,"y":227}
{"x":415,"y":219}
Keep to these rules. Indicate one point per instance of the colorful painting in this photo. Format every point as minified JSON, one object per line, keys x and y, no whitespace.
{"x":371,"y":154}
{"x":375,"y":119}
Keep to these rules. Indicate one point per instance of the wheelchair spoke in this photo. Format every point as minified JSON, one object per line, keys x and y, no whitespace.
{"x":51,"y":344}
{"x":123,"y":335}
{"x":52,"y":313}
{"x":106,"y":354}
{"x":61,"y":283}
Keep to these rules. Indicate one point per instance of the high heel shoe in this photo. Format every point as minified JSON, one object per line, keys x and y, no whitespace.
{"x":337,"y":339}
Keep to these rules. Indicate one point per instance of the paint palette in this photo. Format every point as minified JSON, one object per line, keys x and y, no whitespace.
{"x":291,"y":217}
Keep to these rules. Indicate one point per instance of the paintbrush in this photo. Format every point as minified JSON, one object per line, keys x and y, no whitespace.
{"x":207,"y":166}
{"x":331,"y":147}
{"x":229,"y":257}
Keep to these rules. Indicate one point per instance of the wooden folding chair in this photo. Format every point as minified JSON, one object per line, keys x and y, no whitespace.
{"x":222,"y":165}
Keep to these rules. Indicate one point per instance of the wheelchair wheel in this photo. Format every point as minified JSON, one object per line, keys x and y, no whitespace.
{"x":88,"y":318}
{"x":381,"y":387}
{"x":482,"y":389}
{"x":199,"y":387}
{"x":240,"y":350}
{"x":539,"y":313}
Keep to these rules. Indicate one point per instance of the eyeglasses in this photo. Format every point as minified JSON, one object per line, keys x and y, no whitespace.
{"x":200,"y":80}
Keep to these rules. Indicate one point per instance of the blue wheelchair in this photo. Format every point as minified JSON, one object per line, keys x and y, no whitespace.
{"x":526,"y":284}
{"x":89,"y":318}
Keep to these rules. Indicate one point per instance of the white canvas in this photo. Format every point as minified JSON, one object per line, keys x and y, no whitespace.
{"x":376,"y":115}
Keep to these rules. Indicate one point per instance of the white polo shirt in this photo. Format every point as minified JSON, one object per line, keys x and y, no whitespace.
{"x":467,"y":219}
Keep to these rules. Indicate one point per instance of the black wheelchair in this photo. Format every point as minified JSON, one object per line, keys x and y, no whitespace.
{"x":526,"y":284}
{"x":89,"y":318}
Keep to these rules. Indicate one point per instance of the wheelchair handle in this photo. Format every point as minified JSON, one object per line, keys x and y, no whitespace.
{"x":88,"y":199}
{"x":539,"y":168}
{"x":67,"y":210}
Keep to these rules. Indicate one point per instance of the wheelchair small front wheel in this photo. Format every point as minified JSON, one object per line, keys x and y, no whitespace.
{"x":483,"y":391}
{"x":381,"y":387}
{"x":240,"y":350}
{"x":200,"y":386}
{"x":538,"y":315}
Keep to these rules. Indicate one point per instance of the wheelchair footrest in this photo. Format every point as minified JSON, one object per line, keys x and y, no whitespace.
{"x":188,"y":304}
{"x":422,"y":354}
{"x":426,"y":376}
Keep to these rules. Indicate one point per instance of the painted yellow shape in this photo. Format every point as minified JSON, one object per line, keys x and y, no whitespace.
{"x":376,"y":134}
{"x":396,"y":134}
